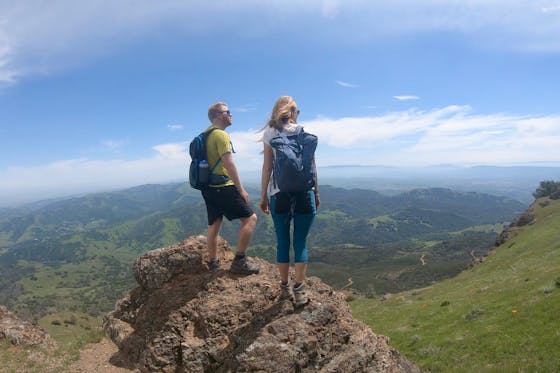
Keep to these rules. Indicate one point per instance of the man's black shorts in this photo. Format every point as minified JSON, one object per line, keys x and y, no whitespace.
{"x":225,"y":201}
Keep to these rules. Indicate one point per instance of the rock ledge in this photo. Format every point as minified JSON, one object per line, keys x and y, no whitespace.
{"x":185,"y":318}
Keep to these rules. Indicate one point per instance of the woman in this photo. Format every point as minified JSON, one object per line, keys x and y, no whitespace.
{"x":287,"y":206}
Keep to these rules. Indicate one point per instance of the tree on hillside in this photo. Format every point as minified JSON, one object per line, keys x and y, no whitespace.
{"x":546,"y":188}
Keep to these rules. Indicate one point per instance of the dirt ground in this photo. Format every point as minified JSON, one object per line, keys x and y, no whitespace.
{"x":100,"y":357}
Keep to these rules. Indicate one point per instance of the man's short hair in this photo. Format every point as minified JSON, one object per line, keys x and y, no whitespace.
{"x":215,"y":109}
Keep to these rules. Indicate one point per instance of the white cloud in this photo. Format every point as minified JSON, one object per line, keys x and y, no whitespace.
{"x":175,"y":127}
{"x":245,"y":108}
{"x":114,"y":145}
{"x":41,"y":37}
{"x":345,"y":84}
{"x":247,"y":146}
{"x":330,"y":8}
{"x":365,"y":132}
{"x":406,"y":98}
{"x":451,"y":135}
{"x":173,"y":151}
{"x":7,"y":75}
{"x":448,"y":135}
{"x":82,"y":175}
{"x":548,"y":9}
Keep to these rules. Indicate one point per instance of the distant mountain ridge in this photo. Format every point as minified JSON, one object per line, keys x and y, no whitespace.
{"x":517,"y":182}
{"x":104,"y":210}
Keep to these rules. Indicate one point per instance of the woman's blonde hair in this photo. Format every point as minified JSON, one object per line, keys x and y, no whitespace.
{"x":284,"y":111}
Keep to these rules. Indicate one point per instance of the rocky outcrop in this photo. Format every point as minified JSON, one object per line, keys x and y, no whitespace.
{"x":505,"y":235}
{"x":22,"y":333}
{"x":185,"y":318}
{"x":525,"y":218}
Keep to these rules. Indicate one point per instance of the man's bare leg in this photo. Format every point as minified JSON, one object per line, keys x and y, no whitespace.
{"x":212,"y":239}
{"x":245,"y":233}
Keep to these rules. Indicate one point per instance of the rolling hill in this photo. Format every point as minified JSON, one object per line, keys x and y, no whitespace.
{"x":75,"y":254}
{"x":499,"y":316}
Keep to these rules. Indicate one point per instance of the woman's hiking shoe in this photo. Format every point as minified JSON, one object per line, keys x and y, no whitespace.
{"x":285,"y":292}
{"x":213,"y":264}
{"x":300,"y":296}
{"x":242,"y":267}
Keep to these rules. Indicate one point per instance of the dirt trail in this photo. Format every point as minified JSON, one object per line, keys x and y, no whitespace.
{"x":99,"y":357}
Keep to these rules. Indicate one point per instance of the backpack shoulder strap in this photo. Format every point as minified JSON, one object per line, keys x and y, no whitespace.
{"x":208,"y":132}
{"x":205,"y":135}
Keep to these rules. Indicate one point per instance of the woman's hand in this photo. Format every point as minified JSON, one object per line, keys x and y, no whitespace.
{"x":264,"y":205}
{"x":317,"y":200}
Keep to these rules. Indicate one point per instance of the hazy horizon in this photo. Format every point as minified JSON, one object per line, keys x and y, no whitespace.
{"x":516,"y":182}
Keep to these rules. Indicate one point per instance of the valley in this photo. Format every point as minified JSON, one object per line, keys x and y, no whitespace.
{"x":76,"y":254}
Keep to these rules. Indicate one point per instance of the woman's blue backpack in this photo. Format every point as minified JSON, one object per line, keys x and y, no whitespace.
{"x":293,"y":169}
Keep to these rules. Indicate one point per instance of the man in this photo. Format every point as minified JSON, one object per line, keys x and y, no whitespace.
{"x":226,"y":195}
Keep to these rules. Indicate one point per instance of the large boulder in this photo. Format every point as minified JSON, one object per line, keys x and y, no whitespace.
{"x":185,"y":318}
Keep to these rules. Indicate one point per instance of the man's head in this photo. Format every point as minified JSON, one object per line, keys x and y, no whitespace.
{"x":219,"y":114}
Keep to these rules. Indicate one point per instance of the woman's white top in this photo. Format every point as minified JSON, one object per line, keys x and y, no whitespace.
{"x":269,"y":134}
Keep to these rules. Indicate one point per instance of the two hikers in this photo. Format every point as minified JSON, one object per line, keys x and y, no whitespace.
{"x":288,"y":193}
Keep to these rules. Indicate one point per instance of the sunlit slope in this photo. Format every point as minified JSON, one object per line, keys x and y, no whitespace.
{"x":503,"y":315}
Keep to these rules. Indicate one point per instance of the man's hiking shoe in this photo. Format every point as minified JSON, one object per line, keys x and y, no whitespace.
{"x":285,"y":292}
{"x":242,"y":267}
{"x":213,"y":264}
{"x":300,"y":296}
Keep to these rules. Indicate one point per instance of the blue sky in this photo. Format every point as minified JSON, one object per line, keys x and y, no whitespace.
{"x":103,"y":94}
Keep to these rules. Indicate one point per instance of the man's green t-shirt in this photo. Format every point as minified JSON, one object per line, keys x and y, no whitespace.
{"x":218,"y":144}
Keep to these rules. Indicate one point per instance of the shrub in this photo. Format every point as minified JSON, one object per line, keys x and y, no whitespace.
{"x":524,"y":219}
{"x":544,"y":203}
{"x":71,"y":321}
{"x":473,"y":314}
{"x":546,"y":188}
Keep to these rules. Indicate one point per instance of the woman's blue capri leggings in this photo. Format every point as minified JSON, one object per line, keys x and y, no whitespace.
{"x":299,"y":207}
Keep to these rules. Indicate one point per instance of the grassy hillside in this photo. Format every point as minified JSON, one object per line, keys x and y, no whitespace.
{"x":500,"y":316}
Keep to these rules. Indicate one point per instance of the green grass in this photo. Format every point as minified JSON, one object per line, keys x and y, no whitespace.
{"x":5,"y":240}
{"x":383,"y":218}
{"x":498,"y":227}
{"x":15,"y":359}
{"x":501,"y":316}
{"x":75,"y":327}
{"x":73,"y":332}
{"x":172,"y":230}
{"x":90,"y":286}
